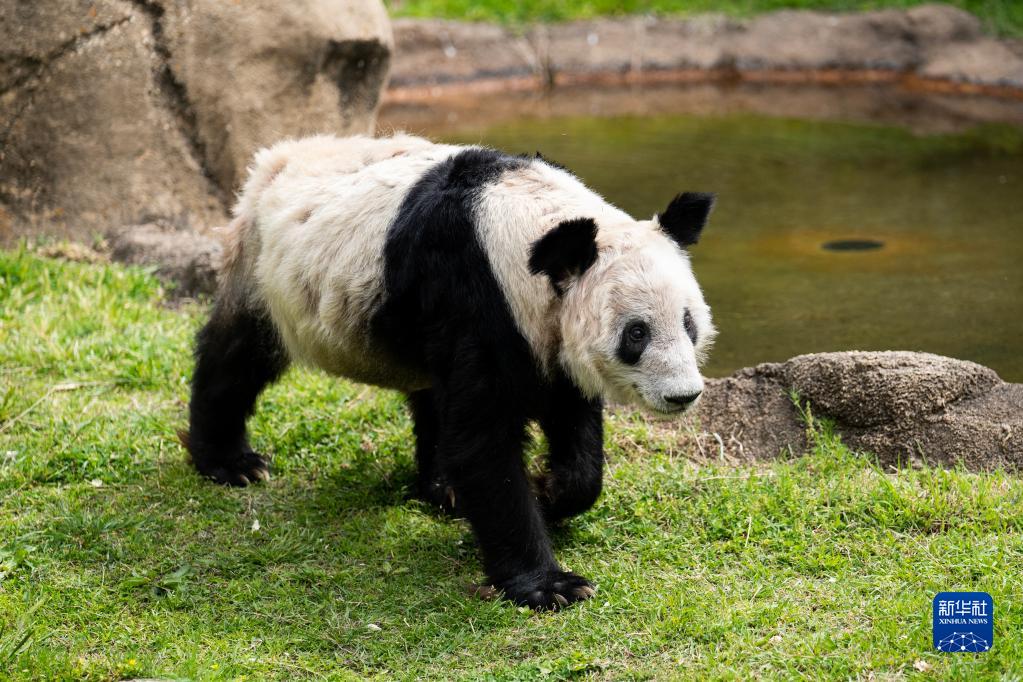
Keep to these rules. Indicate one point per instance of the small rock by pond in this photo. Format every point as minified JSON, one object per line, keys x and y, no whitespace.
{"x":903,"y":406}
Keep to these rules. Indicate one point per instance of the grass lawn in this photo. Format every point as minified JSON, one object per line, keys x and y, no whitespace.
{"x":1000,"y":16}
{"x":116,"y":561}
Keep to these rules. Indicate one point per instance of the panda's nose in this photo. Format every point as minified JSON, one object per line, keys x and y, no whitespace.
{"x":682,"y":400}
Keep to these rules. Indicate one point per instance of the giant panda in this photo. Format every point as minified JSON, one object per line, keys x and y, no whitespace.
{"x":491,"y":289}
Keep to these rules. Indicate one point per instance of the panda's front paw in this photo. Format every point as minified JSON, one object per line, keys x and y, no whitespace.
{"x":546,"y":590}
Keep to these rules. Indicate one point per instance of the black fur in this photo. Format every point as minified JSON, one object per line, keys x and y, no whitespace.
{"x":553,"y":164}
{"x":686,"y":216}
{"x":445,"y":315}
{"x":237,"y":354}
{"x":565,"y":251}
{"x":431,"y":485}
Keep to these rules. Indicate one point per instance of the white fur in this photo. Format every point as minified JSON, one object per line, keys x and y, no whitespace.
{"x":318,"y":210}
{"x":640,"y":273}
{"x":307,"y":242}
{"x":514,"y":213}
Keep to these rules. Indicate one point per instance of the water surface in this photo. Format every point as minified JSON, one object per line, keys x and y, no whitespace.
{"x":947,"y":208}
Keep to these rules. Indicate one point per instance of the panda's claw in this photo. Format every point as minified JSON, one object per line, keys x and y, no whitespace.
{"x":585,"y":591}
{"x":440,"y":495}
{"x":484,"y":592}
{"x":247,"y":468}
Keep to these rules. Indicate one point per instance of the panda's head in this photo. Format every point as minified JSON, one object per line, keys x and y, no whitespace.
{"x":633,"y":322}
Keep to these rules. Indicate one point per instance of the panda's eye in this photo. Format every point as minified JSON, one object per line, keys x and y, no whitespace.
{"x":635,"y":339}
{"x":690,"y":326}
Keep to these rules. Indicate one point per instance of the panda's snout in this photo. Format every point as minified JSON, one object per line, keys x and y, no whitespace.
{"x":684,"y":400}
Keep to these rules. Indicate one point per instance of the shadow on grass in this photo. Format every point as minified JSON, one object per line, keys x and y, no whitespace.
{"x":345,"y":538}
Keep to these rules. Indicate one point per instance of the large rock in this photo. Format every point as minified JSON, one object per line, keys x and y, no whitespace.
{"x":259,"y":70}
{"x":902,"y":406}
{"x":873,"y":389}
{"x":127,"y":111}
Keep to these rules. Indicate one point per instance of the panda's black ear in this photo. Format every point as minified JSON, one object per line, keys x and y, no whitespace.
{"x":566,"y":251}
{"x":685,"y":217}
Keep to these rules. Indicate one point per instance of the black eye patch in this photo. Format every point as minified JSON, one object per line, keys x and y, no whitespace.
{"x":635,"y":338}
{"x":690,"y":325}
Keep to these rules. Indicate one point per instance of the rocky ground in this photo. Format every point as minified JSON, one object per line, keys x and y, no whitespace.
{"x":934,"y":46}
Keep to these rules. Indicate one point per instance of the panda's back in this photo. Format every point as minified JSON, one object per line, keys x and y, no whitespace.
{"x":367,"y":249}
{"x":318,"y":211}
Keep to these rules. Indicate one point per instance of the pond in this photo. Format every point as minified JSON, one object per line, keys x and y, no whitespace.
{"x":827,"y":235}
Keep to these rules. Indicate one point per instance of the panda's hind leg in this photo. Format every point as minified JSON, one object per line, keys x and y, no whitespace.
{"x":431,"y":485}
{"x":238,"y":353}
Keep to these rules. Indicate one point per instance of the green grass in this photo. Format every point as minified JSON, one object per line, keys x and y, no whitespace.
{"x":116,"y":561}
{"x":1000,"y":16}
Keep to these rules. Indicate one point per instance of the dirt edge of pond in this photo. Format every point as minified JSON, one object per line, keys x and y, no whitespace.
{"x":929,"y":48}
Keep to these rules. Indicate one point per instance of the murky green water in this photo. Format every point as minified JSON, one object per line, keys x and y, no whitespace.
{"x":949,"y":209}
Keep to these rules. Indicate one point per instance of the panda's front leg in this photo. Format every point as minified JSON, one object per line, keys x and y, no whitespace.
{"x":481,"y":441}
{"x":574,"y":428}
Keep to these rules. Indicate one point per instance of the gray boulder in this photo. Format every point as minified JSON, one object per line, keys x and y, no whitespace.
{"x":127,"y":111}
